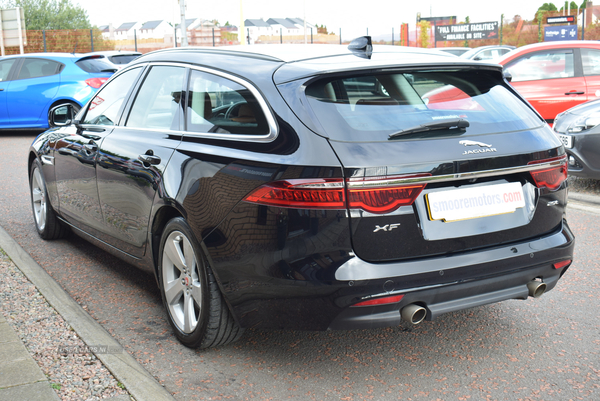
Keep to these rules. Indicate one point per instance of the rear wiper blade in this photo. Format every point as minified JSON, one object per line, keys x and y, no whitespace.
{"x":433,"y":126}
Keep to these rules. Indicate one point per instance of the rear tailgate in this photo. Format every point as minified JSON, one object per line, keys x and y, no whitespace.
{"x":439,"y":160}
{"x":468,"y":201}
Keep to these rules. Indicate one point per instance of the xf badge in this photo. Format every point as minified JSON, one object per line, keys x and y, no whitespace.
{"x":387,"y":227}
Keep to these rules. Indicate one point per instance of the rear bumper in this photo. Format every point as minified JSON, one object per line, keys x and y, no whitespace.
{"x":450,"y":298}
{"x":440,"y":285}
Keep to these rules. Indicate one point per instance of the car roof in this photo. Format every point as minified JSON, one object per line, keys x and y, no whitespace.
{"x":295,"y":52}
{"x":296,"y":61}
{"x":114,"y":52}
{"x":547,"y":46}
{"x":44,"y":55}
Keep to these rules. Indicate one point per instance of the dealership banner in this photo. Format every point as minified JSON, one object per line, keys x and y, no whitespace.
{"x":481,"y":30}
{"x":560,"y":32}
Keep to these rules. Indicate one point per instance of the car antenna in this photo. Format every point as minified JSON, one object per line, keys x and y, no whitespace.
{"x":361,"y":47}
{"x":75,"y":49}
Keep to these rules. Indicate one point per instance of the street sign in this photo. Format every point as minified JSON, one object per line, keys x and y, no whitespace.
{"x":481,"y":30}
{"x":560,"y":32}
{"x":565,"y":19}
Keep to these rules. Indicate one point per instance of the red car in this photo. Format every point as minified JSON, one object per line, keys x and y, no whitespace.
{"x":555,"y":76}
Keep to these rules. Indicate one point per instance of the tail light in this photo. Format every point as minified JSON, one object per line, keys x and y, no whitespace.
{"x":551,"y":177}
{"x":96,"y":82}
{"x":374,"y":196}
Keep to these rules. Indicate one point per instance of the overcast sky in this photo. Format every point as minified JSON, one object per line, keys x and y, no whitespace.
{"x":353,"y":17}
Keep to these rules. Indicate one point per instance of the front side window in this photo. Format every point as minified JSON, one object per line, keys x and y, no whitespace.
{"x":219,"y":105}
{"x":35,"y":68}
{"x":104,"y":107}
{"x":549,"y":64}
{"x":158,"y":102}
{"x":373,"y":106}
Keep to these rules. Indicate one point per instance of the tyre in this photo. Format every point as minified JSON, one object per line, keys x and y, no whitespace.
{"x":195,"y":306}
{"x":47,"y":224}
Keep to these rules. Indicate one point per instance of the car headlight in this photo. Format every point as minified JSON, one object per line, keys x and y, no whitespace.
{"x":576,"y":123}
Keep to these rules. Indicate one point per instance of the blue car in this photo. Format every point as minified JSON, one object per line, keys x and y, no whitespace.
{"x":31,"y":85}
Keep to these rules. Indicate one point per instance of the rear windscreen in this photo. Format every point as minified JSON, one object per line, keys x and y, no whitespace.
{"x":95,"y":64}
{"x":373,"y":106}
{"x":123,"y":58}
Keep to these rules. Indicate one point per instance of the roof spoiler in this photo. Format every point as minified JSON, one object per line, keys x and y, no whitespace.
{"x":361,"y":47}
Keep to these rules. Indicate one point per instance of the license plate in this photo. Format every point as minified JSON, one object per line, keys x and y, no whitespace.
{"x":475,"y":202}
{"x":566,"y":140}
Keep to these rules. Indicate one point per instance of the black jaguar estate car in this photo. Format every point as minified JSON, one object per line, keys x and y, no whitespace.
{"x":310,"y":187}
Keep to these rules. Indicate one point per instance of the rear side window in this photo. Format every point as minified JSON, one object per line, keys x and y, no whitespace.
{"x":371,"y":107}
{"x":219,"y":105}
{"x":95,"y":64}
{"x":5,"y":66}
{"x":591,"y":62}
{"x":35,"y":68}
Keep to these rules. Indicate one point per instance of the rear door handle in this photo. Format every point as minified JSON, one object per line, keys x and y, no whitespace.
{"x":91,"y":147}
{"x":574,"y":93}
{"x":149,"y":159}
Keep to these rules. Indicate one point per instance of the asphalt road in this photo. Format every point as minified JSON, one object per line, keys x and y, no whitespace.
{"x":542,"y":349}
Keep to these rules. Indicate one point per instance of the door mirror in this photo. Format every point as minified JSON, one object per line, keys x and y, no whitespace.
{"x":62,"y":115}
{"x":507,"y":75}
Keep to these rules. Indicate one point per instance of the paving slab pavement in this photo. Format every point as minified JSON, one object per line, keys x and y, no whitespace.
{"x":20,"y":376}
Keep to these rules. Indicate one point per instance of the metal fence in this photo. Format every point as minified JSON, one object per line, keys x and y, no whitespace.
{"x":517,"y":33}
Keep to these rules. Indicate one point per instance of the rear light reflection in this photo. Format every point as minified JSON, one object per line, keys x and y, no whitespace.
{"x":552,"y":177}
{"x":374,"y":196}
{"x":381,"y":301}
{"x":301,"y":194}
{"x":560,"y":265}
{"x":96,"y":82}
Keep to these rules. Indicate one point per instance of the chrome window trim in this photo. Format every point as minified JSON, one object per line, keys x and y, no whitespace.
{"x":452,"y":177}
{"x":273,"y":131}
{"x":269,"y":137}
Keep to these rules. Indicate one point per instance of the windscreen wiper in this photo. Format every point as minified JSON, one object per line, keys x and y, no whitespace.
{"x":433,"y":126}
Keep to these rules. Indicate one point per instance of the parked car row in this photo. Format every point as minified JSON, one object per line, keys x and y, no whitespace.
{"x":33,"y":85}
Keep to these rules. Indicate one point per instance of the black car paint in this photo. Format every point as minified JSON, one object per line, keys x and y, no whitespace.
{"x":288,"y":268}
{"x":586,"y":144}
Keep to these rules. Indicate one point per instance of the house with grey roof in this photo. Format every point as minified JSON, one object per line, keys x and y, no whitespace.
{"x":283,"y":26}
{"x":257,"y":27}
{"x":154,"y":30}
{"x":126,"y":30}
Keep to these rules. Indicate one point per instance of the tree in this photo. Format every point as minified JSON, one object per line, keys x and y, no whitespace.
{"x":572,"y":6}
{"x":548,"y":7}
{"x":423,"y":27}
{"x":544,"y":8}
{"x":50,"y":14}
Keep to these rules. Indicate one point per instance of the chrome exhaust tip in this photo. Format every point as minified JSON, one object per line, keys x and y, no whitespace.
{"x":536,"y":288}
{"x":414,"y":314}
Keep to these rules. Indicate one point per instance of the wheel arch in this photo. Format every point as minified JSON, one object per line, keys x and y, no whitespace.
{"x":161,"y":218}
{"x":163,"y":215}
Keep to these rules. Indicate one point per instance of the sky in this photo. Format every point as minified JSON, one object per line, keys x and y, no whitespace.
{"x":353,"y":17}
